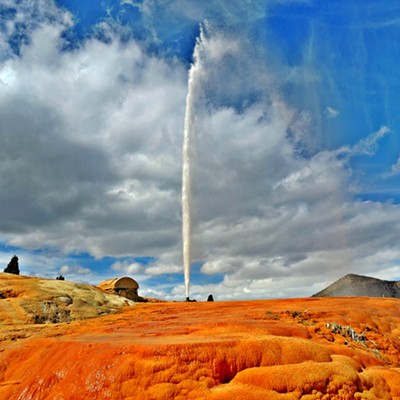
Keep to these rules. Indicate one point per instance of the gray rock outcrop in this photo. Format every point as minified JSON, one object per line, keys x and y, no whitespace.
{"x":359,"y":285}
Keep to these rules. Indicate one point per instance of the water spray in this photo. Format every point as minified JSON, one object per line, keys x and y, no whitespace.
{"x":188,"y":133}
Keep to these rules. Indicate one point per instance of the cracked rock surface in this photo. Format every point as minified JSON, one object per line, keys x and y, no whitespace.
{"x":317,"y":348}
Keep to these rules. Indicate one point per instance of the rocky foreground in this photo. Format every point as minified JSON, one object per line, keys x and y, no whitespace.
{"x":331,"y":348}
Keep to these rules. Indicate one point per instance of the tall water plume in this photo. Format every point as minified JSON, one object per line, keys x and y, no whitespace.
{"x":188,"y":133}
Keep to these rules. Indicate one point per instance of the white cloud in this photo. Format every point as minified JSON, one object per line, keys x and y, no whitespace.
{"x":219,"y":266}
{"x":7,"y":74}
{"x":126,"y":267}
{"x":330,"y":112}
{"x":395,"y":169}
{"x":133,"y":3}
{"x":74,"y":270}
{"x":161,"y":269}
{"x":368,"y":145}
{"x":90,"y":150}
{"x":93,"y":136}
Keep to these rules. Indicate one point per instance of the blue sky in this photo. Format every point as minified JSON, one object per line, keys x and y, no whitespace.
{"x":296,"y":152}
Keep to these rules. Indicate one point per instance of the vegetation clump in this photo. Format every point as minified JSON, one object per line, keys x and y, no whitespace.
{"x":13,"y":267}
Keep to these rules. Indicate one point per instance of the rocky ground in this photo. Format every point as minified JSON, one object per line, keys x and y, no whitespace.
{"x":26,"y":301}
{"x":330,"y":348}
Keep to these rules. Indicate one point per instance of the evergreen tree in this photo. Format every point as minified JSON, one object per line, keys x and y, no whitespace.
{"x":12,"y":267}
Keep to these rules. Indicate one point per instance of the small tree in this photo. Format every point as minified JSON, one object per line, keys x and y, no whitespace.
{"x":12,"y":267}
{"x":60,"y":278}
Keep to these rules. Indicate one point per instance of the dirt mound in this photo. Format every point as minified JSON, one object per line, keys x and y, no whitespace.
{"x":359,"y":285}
{"x":306,"y":349}
{"x":27,"y":300}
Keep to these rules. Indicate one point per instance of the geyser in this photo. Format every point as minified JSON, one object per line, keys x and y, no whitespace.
{"x":188,"y":133}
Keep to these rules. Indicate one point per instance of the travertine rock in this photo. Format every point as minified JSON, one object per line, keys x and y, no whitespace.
{"x":305,"y":349}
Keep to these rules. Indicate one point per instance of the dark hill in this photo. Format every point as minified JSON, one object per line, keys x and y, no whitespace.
{"x":359,"y":285}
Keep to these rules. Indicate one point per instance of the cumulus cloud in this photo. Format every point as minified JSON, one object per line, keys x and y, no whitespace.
{"x":90,"y":150}
{"x":126,"y":267}
{"x":163,"y":269}
{"x":219,"y":266}
{"x":90,"y":145}
{"x":74,"y":270}
{"x":394,"y":170}
{"x":267,"y":213}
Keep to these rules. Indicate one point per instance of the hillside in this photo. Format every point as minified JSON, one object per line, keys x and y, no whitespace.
{"x":28,"y":300}
{"x":359,"y":285}
{"x":309,"y":349}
